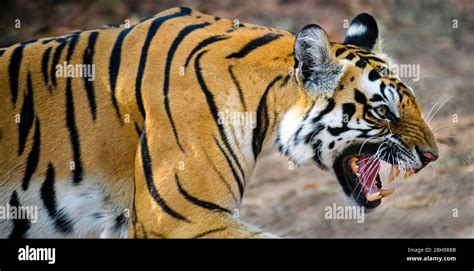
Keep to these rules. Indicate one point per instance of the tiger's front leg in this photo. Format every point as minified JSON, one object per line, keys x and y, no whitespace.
{"x":175,"y":202}
{"x":220,"y":225}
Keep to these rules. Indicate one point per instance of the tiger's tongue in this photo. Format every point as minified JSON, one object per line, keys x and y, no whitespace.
{"x":369,"y":169}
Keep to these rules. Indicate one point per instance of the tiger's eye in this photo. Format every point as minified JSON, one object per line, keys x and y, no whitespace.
{"x":382,"y":110}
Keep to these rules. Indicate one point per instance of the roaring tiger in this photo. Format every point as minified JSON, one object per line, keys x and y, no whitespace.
{"x":150,"y":146}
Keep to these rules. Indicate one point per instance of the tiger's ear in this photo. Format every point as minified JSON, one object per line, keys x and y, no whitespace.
{"x":315,"y":66}
{"x":363,"y":32}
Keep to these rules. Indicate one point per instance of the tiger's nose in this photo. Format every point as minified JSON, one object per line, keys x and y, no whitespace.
{"x":427,"y":155}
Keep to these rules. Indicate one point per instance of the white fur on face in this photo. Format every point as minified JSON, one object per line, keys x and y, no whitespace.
{"x":302,"y":139}
{"x":291,"y":122}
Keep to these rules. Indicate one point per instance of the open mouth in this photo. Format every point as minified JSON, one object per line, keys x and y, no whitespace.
{"x":358,"y":171}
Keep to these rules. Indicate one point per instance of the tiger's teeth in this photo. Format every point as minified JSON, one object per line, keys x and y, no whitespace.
{"x":394,"y":172}
{"x":408,"y":173}
{"x":373,"y":196}
{"x":386,"y":192}
{"x":354,"y":166}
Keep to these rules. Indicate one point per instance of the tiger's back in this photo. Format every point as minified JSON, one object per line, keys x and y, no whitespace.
{"x":69,"y":142}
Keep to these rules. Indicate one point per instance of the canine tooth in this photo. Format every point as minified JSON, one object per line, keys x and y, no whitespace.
{"x":354,"y":166}
{"x":386,"y":192}
{"x":394,"y":172}
{"x":373,"y":196}
{"x":408,"y":173}
{"x":354,"y":160}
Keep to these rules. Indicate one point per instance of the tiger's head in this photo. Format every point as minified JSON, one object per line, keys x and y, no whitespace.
{"x":361,"y":114}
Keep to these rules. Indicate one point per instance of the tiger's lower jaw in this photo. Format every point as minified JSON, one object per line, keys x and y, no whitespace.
{"x":358,"y":174}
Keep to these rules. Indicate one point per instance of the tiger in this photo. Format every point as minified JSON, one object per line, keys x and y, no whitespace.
{"x":152,"y":146}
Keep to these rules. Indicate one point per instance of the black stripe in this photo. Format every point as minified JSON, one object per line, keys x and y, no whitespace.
{"x":316,"y":130}
{"x":214,"y":110}
{"x":360,"y":97}
{"x":305,"y":117}
{"x":335,"y":131}
{"x":72,"y":46}
{"x":260,"y":130}
{"x":48,"y":194}
{"x":120,"y":222}
{"x":374,"y":58}
{"x":221,"y":178}
{"x":202,"y":203}
{"x":155,"y":25}
{"x":57,"y":54}
{"x":254,"y":44}
{"x":362,"y":52}
{"x":44,"y":66}
{"x":137,"y":129}
{"x":20,"y":226}
{"x":14,"y":71}
{"x":134,"y":210}
{"x":374,"y":75}
{"x":73,"y":133}
{"x":203,"y":234}
{"x":28,"y":42}
{"x":285,"y":80}
{"x":2,"y":52}
{"x":203,"y":44}
{"x":88,"y":59}
{"x":169,"y":60}
{"x":317,"y":148}
{"x":33,"y":157}
{"x":329,"y":107}
{"x":382,"y":90}
{"x":390,"y":91}
{"x":237,"y":178}
{"x":239,"y":88}
{"x":340,"y":51}
{"x":361,"y":63}
{"x":348,"y":109}
{"x":350,"y":56}
{"x":46,"y":41}
{"x":114,"y":67}
{"x":147,"y":170}
{"x":62,"y":39}
{"x":27,"y":116}
{"x":376,"y":98}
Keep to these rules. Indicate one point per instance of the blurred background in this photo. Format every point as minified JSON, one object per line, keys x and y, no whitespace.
{"x":437,"y":35}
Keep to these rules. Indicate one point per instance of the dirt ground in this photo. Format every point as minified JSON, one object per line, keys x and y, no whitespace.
{"x":292,"y":203}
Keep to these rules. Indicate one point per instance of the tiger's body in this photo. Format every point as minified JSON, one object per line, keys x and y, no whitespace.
{"x":143,"y":150}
